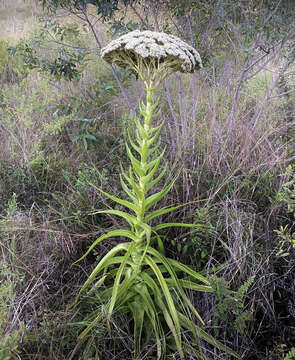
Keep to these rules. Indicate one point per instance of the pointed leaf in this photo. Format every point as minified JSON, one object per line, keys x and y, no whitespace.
{"x":153,"y":199}
{"x":149,"y":261}
{"x":118,"y":278}
{"x":167,"y":225}
{"x":128,"y":204}
{"x":205,"y":336}
{"x":186,"y":269}
{"x":135,"y":163}
{"x":127,"y":190}
{"x":114,"y":233}
{"x":158,"y":178}
{"x":160,"y":212}
{"x":103,"y":262}
{"x":129,"y":218}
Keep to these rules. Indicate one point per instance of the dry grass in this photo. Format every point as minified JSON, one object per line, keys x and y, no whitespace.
{"x":17,"y":17}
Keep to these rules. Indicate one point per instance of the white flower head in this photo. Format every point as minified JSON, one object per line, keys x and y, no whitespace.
{"x":150,"y":46}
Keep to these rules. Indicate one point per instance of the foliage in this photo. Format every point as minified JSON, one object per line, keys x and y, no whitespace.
{"x":232,"y":132}
{"x":290,"y":355}
{"x":267,"y":18}
{"x":68,"y":65}
{"x":229,"y":310}
{"x":9,"y":340}
{"x":85,"y":137}
{"x":105,"y":8}
{"x":287,"y":195}
{"x":10,"y":277}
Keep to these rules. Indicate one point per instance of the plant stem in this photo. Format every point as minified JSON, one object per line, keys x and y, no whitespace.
{"x":144,"y":141}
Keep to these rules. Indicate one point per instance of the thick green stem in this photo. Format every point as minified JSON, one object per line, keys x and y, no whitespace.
{"x":144,"y":150}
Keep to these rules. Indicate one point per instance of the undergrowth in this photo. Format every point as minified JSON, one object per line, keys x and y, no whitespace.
{"x":235,"y":154}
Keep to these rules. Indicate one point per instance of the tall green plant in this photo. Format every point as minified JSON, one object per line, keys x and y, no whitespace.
{"x":139,"y":279}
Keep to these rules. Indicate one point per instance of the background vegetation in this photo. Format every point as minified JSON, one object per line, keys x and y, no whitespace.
{"x":229,"y":128}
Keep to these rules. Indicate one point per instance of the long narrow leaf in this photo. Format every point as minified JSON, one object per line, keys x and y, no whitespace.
{"x":128,"y":204}
{"x":190,"y":285}
{"x":114,"y":233}
{"x":129,"y":218}
{"x":186,"y":269}
{"x":127,"y":190}
{"x":131,"y":182}
{"x":167,"y":225}
{"x":176,"y":281}
{"x":118,"y":277}
{"x":205,"y":336}
{"x":103,"y":262}
{"x":149,"y":176}
{"x":149,"y":261}
{"x":153,"y":199}
{"x":135,"y":163}
{"x":157,"y":179}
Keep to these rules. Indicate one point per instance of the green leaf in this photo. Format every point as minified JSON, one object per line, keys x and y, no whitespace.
{"x":205,"y":336}
{"x":114,"y":233}
{"x":167,"y":225}
{"x":152,"y":163}
{"x":175,"y":280}
{"x":149,"y":176}
{"x":129,"y":218}
{"x":118,"y":278}
{"x":138,"y":311}
{"x":190,"y":285}
{"x":163,"y":211}
{"x":186,"y":269}
{"x":149,"y":261}
{"x":134,"y":146}
{"x":103,"y":263}
{"x":158,"y":178}
{"x":128,"y":204}
{"x":135,"y":163}
{"x":141,"y":131}
{"x":130,"y":179}
{"x":127,"y":190}
{"x":153,"y":199}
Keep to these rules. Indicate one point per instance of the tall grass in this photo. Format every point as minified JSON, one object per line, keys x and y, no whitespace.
{"x":17,"y":18}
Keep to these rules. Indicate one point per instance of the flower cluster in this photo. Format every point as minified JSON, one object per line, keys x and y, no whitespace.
{"x":151,"y":45}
